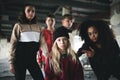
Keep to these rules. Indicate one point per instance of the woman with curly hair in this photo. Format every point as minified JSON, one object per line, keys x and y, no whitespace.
{"x":101,"y":48}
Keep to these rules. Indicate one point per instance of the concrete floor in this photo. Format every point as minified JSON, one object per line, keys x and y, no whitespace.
{"x":6,"y":75}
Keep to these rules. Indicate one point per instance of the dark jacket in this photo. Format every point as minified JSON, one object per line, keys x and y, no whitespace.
{"x":107,"y":57}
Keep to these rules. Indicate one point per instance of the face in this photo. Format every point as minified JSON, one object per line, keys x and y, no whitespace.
{"x":29,"y":12}
{"x":67,"y":23}
{"x":62,"y":43}
{"x":93,"y":34}
{"x":50,"y":21}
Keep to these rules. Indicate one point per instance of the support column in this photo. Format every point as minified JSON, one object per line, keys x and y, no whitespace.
{"x":115,"y":13}
{"x":66,"y":10}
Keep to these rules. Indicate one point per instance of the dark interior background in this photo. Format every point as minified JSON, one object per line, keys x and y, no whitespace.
{"x":80,"y":9}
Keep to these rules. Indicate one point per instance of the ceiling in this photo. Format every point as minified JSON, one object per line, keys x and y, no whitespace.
{"x":80,"y":9}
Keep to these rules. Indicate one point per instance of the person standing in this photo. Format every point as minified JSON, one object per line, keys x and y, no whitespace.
{"x":48,"y":39}
{"x":25,"y":42}
{"x":62,"y":63}
{"x":77,"y":42}
{"x":67,"y":22}
{"x":101,"y":48}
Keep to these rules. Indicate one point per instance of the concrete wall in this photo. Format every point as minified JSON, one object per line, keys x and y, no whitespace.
{"x":4,"y":48}
{"x":115,"y":17}
{"x":116,"y":29}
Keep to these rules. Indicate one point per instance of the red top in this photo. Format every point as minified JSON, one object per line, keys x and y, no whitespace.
{"x":71,"y":70}
{"x":48,"y":35}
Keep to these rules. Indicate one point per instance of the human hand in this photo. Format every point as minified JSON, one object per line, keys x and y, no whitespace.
{"x":90,"y":53}
{"x":12,"y":69}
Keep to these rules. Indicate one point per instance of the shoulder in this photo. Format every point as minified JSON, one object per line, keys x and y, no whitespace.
{"x":16,"y":26}
{"x":39,"y":24}
{"x":114,"y":42}
{"x":37,"y":27}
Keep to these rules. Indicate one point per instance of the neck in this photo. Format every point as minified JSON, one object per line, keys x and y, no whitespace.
{"x":51,"y":29}
{"x":63,"y":52}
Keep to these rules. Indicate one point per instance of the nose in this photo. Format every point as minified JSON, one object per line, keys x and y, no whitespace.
{"x":93,"y":35}
{"x":61,"y":41}
{"x":31,"y":12}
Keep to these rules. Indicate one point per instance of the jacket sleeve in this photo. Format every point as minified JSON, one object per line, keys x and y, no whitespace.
{"x":116,"y":51}
{"x":43,"y":45}
{"x":48,"y":71}
{"x":79,"y":52}
{"x":13,"y":41}
{"x":78,"y":71}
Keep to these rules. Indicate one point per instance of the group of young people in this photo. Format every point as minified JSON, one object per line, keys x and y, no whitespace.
{"x":54,"y":47}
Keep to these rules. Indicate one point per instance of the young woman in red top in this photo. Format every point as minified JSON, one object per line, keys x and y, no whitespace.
{"x":48,"y":39}
{"x":63,"y":64}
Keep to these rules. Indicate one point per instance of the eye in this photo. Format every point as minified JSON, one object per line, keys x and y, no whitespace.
{"x":58,"y":39}
{"x":95,"y":32}
{"x":65,"y":39}
{"x":33,"y":11}
{"x":30,"y":10}
{"x":89,"y":33}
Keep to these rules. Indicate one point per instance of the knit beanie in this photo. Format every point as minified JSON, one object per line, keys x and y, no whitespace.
{"x":60,"y":32}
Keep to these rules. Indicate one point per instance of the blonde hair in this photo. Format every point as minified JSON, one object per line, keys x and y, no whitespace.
{"x":55,"y":57}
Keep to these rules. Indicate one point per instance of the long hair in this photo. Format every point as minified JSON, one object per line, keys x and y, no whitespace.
{"x":83,"y":30}
{"x":105,"y":33}
{"x":22,"y":17}
{"x":55,"y":57}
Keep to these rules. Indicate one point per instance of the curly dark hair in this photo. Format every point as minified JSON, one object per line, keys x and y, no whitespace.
{"x":22,"y":18}
{"x":105,"y":32}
